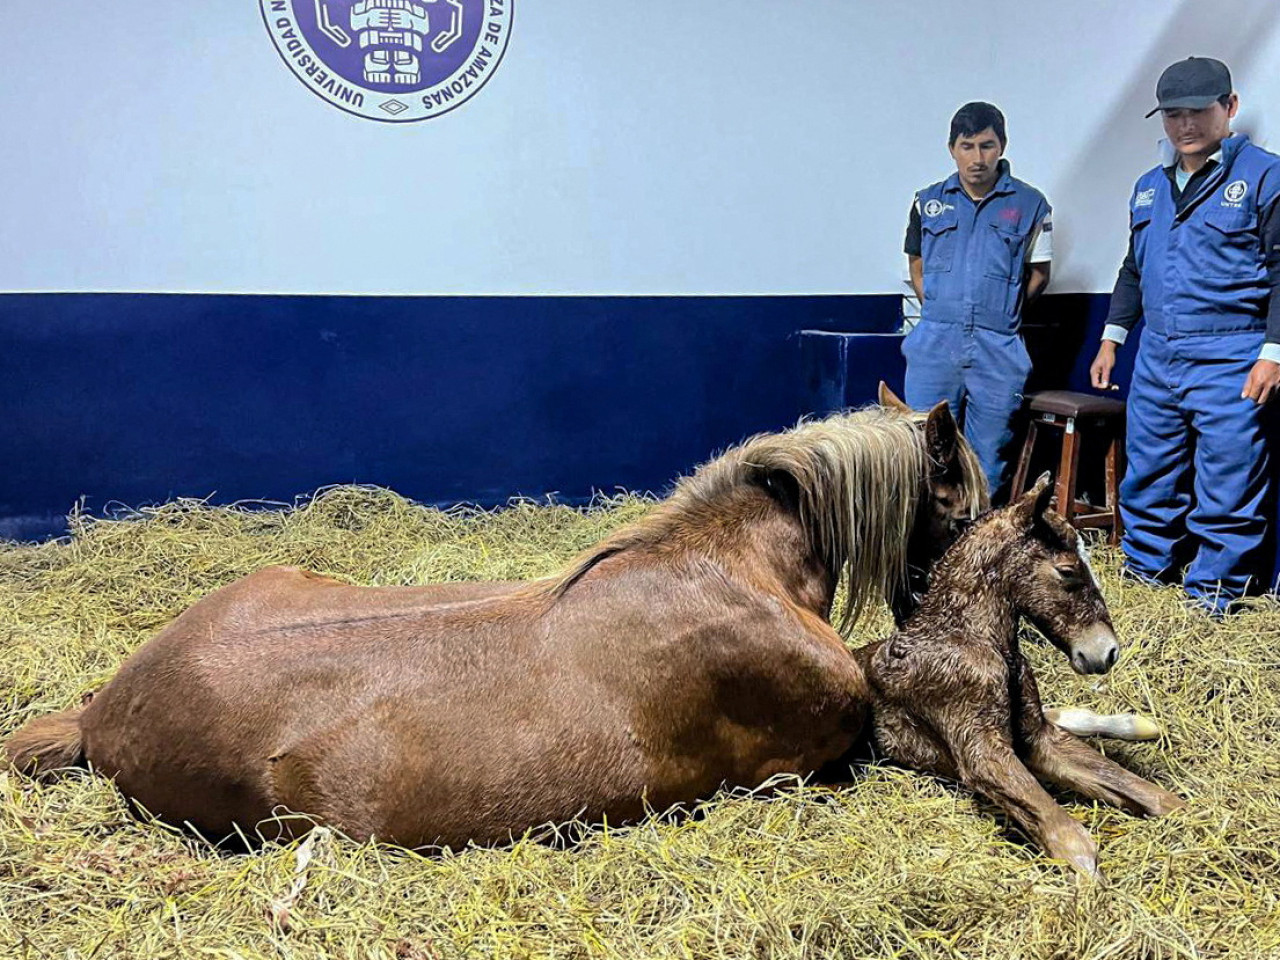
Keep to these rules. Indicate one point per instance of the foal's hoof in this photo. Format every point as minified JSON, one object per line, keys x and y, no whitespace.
{"x":1077,"y":848}
{"x":1164,"y":803}
{"x":1085,"y":864}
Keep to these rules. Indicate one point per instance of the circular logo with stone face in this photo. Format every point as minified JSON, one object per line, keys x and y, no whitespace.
{"x":391,"y":60}
{"x":1235,"y":191}
{"x":932,"y":208}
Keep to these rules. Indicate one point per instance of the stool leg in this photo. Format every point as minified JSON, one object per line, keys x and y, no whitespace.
{"x":1024,"y":462}
{"x":1115,"y":467}
{"x":1066,"y":488}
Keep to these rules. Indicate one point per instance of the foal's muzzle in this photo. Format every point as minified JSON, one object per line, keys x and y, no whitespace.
{"x":1095,"y":650}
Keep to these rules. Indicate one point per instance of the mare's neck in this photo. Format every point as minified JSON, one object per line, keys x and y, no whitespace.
{"x":764,"y":543}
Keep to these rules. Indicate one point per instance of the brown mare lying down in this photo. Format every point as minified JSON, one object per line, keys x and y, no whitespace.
{"x":689,"y":650}
{"x":952,"y":694}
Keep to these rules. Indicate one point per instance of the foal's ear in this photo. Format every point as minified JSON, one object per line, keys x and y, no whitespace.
{"x":1032,"y":505}
{"x":941,"y":434}
{"x":890,"y":400}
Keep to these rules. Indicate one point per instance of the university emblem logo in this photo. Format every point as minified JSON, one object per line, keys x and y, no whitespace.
{"x":1235,"y":191}
{"x":391,"y":60}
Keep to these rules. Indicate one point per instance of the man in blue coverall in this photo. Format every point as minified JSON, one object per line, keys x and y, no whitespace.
{"x":979,"y":247}
{"x":1202,"y":268}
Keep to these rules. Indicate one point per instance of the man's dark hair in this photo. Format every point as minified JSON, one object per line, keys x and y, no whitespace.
{"x":974,"y":118}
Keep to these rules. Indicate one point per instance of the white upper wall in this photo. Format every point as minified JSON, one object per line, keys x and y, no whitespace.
{"x":620,"y":148}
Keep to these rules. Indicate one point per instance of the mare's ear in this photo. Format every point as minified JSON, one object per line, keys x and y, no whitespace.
{"x":890,"y":400}
{"x":1031,"y":506}
{"x":941,"y":435}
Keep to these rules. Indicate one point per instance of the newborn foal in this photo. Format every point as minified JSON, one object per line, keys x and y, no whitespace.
{"x":952,"y":694}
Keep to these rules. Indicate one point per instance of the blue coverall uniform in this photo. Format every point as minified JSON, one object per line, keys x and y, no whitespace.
{"x":1205,"y":286}
{"x":967,"y":348}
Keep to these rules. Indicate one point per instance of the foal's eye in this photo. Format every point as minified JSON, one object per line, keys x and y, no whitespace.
{"x":1067,"y":571}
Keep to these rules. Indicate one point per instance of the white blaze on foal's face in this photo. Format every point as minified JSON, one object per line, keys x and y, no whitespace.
{"x":1098,"y":648}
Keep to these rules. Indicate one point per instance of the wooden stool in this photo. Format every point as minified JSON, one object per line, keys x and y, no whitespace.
{"x":1074,"y":414}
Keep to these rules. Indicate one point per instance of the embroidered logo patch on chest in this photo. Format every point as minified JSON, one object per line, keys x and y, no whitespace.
{"x":1235,"y":191}
{"x":1145,"y":198}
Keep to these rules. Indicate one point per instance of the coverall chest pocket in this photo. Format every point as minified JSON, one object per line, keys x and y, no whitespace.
{"x":1003,"y":252}
{"x":1228,"y":242}
{"x":938,"y":243}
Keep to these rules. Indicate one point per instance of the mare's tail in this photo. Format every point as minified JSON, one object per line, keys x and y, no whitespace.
{"x":47,"y":744}
{"x":1117,"y":726}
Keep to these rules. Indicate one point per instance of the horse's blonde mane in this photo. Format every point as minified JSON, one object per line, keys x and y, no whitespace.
{"x":859,"y":480}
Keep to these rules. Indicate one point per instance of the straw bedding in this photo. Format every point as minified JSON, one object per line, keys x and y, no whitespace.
{"x":895,"y":865}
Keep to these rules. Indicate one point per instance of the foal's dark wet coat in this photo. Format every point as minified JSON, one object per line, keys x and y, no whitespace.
{"x":951,"y":692}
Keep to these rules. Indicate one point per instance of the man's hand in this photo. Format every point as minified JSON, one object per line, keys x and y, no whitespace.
{"x":1103,"y":364}
{"x":1037,"y":280}
{"x":1263,"y":382}
{"x":917,"y":276}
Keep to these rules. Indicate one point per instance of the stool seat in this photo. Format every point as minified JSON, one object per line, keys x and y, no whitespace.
{"x":1069,"y":403}
{"x":1074,"y":416}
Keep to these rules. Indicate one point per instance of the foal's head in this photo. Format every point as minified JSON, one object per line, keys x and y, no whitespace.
{"x":954,"y":492}
{"x":1033,"y":557}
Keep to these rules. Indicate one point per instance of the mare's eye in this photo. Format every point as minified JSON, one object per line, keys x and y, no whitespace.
{"x":1067,"y":571}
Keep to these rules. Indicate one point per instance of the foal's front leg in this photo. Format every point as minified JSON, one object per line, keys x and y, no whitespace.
{"x":962,"y":727}
{"x":982,"y":750}
{"x":1067,"y":761}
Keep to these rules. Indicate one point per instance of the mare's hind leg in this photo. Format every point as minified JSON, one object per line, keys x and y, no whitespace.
{"x":1065,"y":760}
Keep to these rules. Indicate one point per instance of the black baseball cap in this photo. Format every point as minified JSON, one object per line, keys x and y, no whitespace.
{"x":1193,"y":84}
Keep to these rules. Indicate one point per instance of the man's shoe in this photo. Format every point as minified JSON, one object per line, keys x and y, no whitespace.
{"x":1218,"y":607}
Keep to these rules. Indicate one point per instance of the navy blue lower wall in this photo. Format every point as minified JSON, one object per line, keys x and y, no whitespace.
{"x":141,"y":398}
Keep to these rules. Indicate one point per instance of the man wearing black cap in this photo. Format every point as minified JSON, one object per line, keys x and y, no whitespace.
{"x":1203,"y":262}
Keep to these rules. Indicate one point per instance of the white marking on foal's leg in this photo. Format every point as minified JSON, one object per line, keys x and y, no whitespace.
{"x":1117,"y":726}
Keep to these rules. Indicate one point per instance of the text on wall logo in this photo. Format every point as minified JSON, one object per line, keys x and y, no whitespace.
{"x":392,"y":60}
